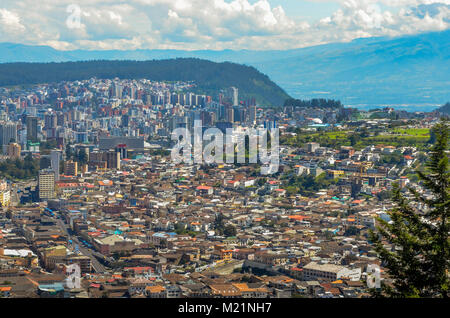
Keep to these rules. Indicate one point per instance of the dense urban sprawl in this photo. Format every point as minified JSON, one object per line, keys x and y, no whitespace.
{"x":87,"y":179}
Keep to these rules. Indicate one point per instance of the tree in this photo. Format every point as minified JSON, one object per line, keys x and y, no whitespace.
{"x":354,"y":138}
{"x":352,"y":230}
{"x":229,"y":231}
{"x":419,"y":259}
{"x":219,"y":224}
{"x":69,"y":153}
{"x":82,"y":157}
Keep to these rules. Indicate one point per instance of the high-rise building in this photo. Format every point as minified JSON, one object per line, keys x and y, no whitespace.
{"x":71,"y":168}
{"x":233,"y":95}
{"x":118,"y":90}
{"x":14,"y":150}
{"x":8,"y":133}
{"x":50,"y":120}
{"x":5,"y":198}
{"x":229,"y":114}
{"x":208,"y":118}
{"x":240,"y":114}
{"x":46,"y":184}
{"x":32,"y":128}
{"x":50,"y":124}
{"x":5,"y":194}
{"x":133,"y":92}
{"x":60,"y":119}
{"x":252,"y":114}
{"x":113,"y":159}
{"x":125,"y":120}
{"x":84,"y":168}
{"x":55,"y":157}
{"x":167,"y":98}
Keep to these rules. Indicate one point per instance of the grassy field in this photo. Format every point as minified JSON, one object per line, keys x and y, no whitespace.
{"x":416,"y":137}
{"x":416,"y":132}
{"x":397,"y":141}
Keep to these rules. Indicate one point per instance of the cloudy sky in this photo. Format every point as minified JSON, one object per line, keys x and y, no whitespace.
{"x":213,"y":24}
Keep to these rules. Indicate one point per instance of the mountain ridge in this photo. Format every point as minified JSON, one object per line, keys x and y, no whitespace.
{"x":366,"y":72}
{"x":210,"y":77}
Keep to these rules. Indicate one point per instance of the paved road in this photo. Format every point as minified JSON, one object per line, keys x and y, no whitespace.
{"x":15,"y":199}
{"x":98,"y":268}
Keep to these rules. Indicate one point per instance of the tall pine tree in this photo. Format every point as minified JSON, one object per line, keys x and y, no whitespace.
{"x":414,"y":247}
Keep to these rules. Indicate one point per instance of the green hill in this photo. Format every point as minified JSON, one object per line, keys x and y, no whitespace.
{"x":210,"y":77}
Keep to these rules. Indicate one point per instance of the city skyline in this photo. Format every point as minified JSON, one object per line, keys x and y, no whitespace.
{"x":236,"y":151}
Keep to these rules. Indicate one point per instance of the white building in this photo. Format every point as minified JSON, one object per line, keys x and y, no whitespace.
{"x":331,"y":272}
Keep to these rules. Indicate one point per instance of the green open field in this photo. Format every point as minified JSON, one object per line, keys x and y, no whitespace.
{"x":416,"y":132}
{"x":413,"y":137}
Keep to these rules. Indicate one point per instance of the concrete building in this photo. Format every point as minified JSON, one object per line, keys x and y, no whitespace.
{"x":331,"y":272}
{"x":312,"y":146}
{"x":8,"y":133}
{"x":32,"y":128}
{"x":113,"y":159}
{"x":55,"y":158}
{"x":5,"y":197}
{"x":71,"y":168}
{"x":46,"y":184}
{"x":135,"y":143}
{"x":14,"y":150}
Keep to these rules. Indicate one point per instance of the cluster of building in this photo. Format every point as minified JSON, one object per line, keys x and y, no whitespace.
{"x":109,"y":199}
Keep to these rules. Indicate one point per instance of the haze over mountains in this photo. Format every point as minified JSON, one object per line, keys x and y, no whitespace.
{"x":410,"y":71}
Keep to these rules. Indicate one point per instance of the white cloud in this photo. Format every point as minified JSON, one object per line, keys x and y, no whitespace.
{"x":211,"y":24}
{"x":367,"y":18}
{"x":10,"y":24}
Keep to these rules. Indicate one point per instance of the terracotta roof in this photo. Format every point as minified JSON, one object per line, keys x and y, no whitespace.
{"x":155,"y":289}
{"x":204,"y":188}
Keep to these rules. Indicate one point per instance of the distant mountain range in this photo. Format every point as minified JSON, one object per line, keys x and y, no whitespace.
{"x":209,"y":77}
{"x":406,"y":71}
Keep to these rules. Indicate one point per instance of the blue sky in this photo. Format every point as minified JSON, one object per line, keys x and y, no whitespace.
{"x":213,"y":24}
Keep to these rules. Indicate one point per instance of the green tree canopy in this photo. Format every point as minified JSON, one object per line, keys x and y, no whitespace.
{"x":419,"y":259}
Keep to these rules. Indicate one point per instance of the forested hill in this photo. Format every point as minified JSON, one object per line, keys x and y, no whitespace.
{"x":210,"y":77}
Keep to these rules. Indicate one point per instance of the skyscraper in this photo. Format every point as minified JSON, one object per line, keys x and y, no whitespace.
{"x":71,"y":168}
{"x":229,"y":114}
{"x":55,"y":157}
{"x":234,"y":95}
{"x":252,"y":114}
{"x":32,"y":128}
{"x":46,"y":184}
{"x":8,"y":133}
{"x":113,"y":160}
{"x":50,"y":120}
{"x":14,"y":150}
{"x":50,"y":124}
{"x":118,"y":90}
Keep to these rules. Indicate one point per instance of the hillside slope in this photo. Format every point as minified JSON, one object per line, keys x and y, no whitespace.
{"x":209,"y":76}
